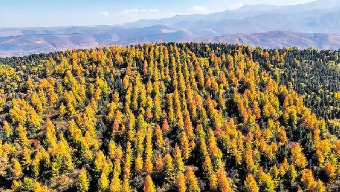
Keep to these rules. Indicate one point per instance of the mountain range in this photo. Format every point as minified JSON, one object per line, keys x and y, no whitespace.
{"x":314,"y":24}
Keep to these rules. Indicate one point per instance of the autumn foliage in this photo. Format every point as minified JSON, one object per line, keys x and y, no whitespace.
{"x":162,"y":117}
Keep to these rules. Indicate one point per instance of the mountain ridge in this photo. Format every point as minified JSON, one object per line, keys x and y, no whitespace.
{"x":27,"y":44}
{"x":314,"y":24}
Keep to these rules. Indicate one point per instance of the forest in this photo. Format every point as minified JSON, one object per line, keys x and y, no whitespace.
{"x":171,"y":117}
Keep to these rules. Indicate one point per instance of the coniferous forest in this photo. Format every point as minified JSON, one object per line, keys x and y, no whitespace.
{"x":171,"y":117}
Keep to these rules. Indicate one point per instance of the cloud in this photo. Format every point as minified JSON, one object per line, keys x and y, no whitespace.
{"x":105,"y":14}
{"x":154,"y":10}
{"x":150,"y":10}
{"x":198,"y":9}
{"x":135,"y":10}
{"x":130,"y":10}
{"x":236,"y":6}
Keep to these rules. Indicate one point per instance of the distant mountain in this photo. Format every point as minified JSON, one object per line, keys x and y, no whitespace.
{"x":312,"y":24}
{"x":36,"y":40}
{"x":313,"y":9}
{"x":279,"y":39}
{"x":26,"y":44}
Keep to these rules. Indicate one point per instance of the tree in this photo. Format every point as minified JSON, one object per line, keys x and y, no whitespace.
{"x":138,"y":164}
{"x":213,"y":181}
{"x":103,"y":182}
{"x":185,"y":146}
{"x":159,"y":137}
{"x":165,"y":126}
{"x":168,"y":168}
{"x":2,"y":104}
{"x":180,"y":182}
{"x":50,"y":133}
{"x":7,"y":129}
{"x":320,"y":187}
{"x":36,"y":102}
{"x":149,"y":186}
{"x":62,"y":109}
{"x":250,"y":184}
{"x":298,"y":157}
{"x":112,"y":149}
{"x":307,"y":179}
{"x":179,"y":165}
{"x":223,"y":182}
{"x":26,"y":157}
{"x":148,"y":166}
{"x":86,"y":154}
{"x":82,"y":182}
{"x":99,"y":161}
{"x":16,"y":168}
{"x":22,"y":132}
{"x":191,"y":180}
{"x":27,"y":185}
{"x":159,"y":162}
{"x":266,"y":182}
{"x":126,"y":185}
{"x":207,"y":166}
{"x":292,"y":174}
{"x":330,"y":170}
{"x":115,"y":185}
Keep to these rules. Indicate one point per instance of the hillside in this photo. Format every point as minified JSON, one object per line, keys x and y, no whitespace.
{"x":167,"y":117}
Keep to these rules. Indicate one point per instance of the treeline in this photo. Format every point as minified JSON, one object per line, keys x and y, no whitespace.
{"x":170,"y":117}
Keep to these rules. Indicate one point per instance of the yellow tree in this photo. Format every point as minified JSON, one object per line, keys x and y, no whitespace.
{"x":22,"y":132}
{"x":223,"y":182}
{"x":298,"y":157}
{"x":180,"y":182}
{"x":266,"y":182}
{"x":149,"y":186}
{"x":191,"y":180}
{"x":159,"y":162}
{"x":168,"y":168}
{"x":292,"y":174}
{"x":138,"y":163}
{"x":307,"y":179}
{"x":179,"y":165}
{"x":185,"y":145}
{"x":16,"y":168}
{"x":103,"y":182}
{"x":82,"y":182}
{"x":250,"y":184}
{"x":7,"y":129}
{"x":115,"y":185}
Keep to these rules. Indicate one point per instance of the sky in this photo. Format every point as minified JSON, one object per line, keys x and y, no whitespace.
{"x":53,"y":13}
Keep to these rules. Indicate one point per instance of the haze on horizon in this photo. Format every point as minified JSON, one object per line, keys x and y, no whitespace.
{"x":54,"y":13}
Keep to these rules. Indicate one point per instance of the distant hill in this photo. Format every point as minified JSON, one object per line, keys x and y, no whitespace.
{"x":256,"y":18}
{"x":26,"y":44}
{"x":313,"y":24}
{"x":277,"y":39}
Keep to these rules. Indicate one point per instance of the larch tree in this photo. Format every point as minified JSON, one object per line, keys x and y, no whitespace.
{"x":149,"y":186}
{"x":180,"y":182}
{"x":82,"y":183}
{"x":191,"y":180}
{"x":103,"y":182}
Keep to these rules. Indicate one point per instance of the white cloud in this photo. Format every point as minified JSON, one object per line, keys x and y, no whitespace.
{"x":236,"y":6}
{"x":154,"y":10}
{"x":135,"y":10}
{"x":198,"y":9}
{"x":105,"y":14}
{"x":130,"y":10}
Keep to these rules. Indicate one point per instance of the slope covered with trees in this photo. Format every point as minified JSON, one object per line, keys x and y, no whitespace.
{"x":169,"y":117}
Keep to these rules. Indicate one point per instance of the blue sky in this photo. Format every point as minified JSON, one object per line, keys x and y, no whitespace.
{"x":48,"y":13}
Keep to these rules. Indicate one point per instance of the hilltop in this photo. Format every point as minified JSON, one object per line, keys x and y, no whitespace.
{"x":170,"y":117}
